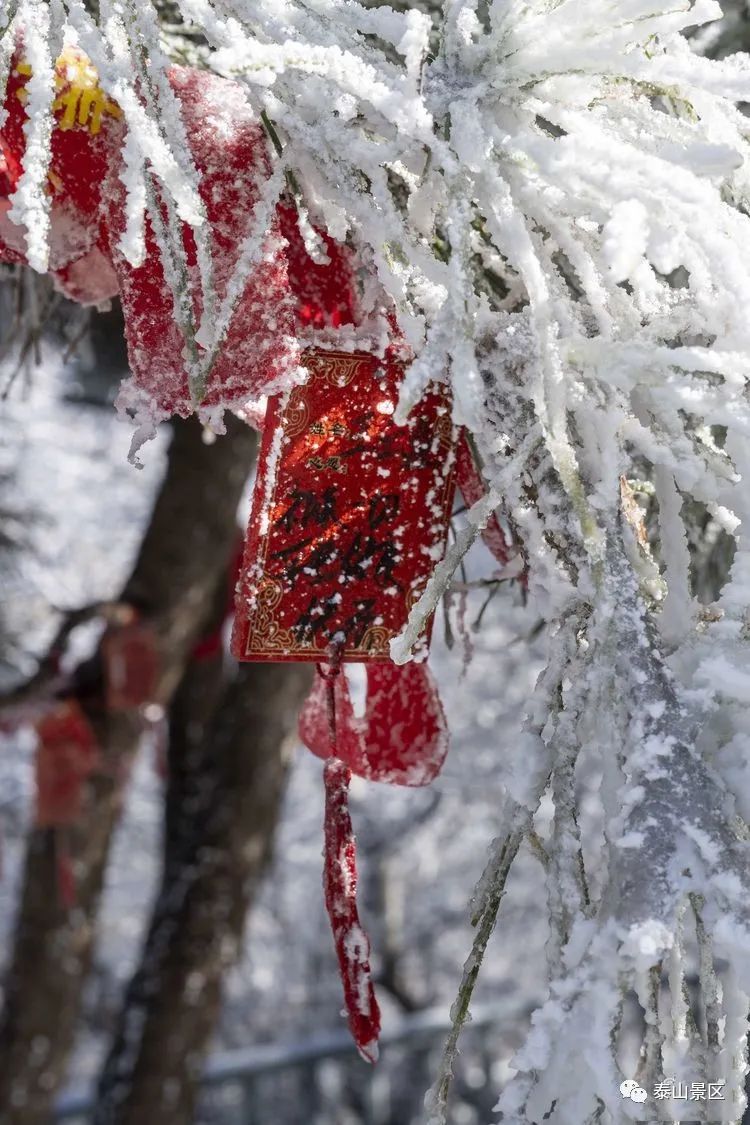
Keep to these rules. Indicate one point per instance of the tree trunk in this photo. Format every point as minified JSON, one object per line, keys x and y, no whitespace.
{"x":186,"y":549}
{"x":222,"y":808}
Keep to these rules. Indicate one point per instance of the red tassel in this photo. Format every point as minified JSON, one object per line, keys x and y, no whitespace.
{"x":352,"y":943}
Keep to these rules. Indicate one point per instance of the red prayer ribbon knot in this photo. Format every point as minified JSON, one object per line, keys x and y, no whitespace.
{"x":402,"y":738}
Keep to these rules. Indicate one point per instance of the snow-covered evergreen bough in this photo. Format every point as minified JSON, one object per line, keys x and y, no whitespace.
{"x":548,"y":198}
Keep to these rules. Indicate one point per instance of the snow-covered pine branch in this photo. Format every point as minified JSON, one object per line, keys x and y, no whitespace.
{"x":556,"y":204}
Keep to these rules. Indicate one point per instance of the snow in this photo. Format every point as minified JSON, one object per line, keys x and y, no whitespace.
{"x":31,"y":202}
{"x":568,"y":252}
{"x":625,"y":238}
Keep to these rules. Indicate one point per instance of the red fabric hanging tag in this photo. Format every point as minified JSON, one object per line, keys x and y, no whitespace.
{"x":131,"y":665}
{"x":67,"y":754}
{"x":229,"y":149}
{"x":88,"y":130}
{"x":402,"y":737}
{"x":349,"y":516}
{"x":352,"y":943}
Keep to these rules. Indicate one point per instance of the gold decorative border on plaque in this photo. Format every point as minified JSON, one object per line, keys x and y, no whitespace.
{"x":375,"y":641}
{"x":297,"y":413}
{"x":446,"y":431}
{"x":264,"y":634}
{"x":337,"y":368}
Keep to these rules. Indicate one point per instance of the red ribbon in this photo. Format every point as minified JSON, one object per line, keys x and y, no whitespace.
{"x":340,"y":884}
{"x":67,"y":755}
{"x":402,"y":737}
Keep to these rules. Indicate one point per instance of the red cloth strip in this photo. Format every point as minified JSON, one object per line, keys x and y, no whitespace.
{"x":340,"y":884}
{"x":402,"y":737}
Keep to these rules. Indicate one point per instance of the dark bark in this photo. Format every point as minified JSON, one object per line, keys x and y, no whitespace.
{"x":222,"y":806}
{"x":52,"y":947}
{"x":186,"y":549}
{"x":190,"y":540}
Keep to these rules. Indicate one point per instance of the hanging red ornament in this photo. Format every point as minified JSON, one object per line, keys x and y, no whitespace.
{"x":67,"y":754}
{"x":349,"y":516}
{"x":352,"y":943}
{"x":131,"y":664}
{"x":228,"y":147}
{"x":87,"y":130}
{"x":88,"y":219}
{"x":402,"y":737}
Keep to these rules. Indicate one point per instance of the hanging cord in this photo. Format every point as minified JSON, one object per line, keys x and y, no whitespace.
{"x":330,"y":674}
{"x":340,"y":885}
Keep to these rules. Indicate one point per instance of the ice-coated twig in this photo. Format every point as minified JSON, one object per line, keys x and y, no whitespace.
{"x":517,"y":813}
{"x":710,"y":993}
{"x":31,"y":201}
{"x":495,"y":877}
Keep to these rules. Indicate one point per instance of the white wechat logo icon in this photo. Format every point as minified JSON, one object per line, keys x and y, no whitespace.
{"x":631,"y":1089}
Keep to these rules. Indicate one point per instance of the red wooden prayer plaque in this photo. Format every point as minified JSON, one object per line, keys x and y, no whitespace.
{"x":349,"y":513}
